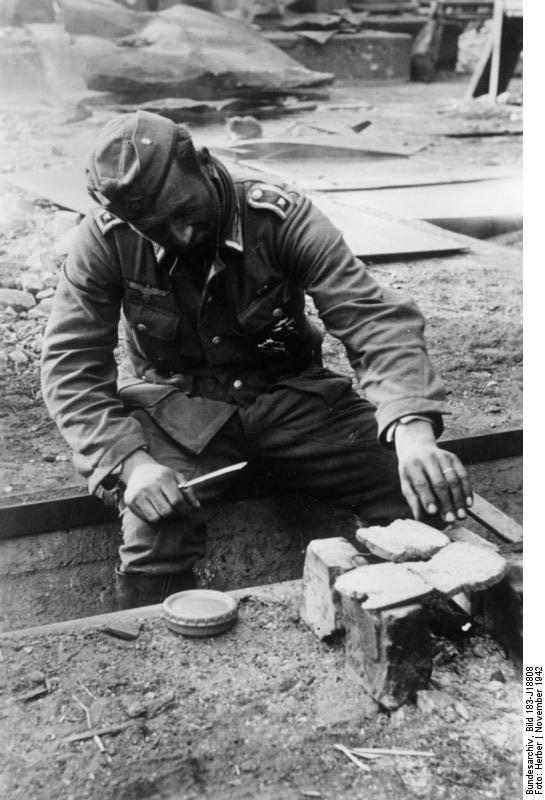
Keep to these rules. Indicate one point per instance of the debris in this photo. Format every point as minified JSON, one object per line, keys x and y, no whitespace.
{"x":18,"y":356}
{"x":378,"y":751}
{"x":434,"y":701}
{"x":240,"y":128}
{"x":320,"y":37}
{"x":32,"y":694}
{"x":462,"y":711}
{"x":18,"y":300}
{"x":155,"y":54}
{"x":403,"y":540}
{"x":136,"y":710}
{"x":348,"y":753}
{"x":110,"y":730}
{"x":127,"y":629}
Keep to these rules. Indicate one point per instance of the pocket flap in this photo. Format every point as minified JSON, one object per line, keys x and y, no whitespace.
{"x":152,"y":321}
{"x":144,"y":395}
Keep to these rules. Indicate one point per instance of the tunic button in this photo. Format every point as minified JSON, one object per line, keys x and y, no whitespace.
{"x":237,"y":384}
{"x":216,"y":340}
{"x":257,"y":194}
{"x":141,"y":327}
{"x":277,"y":313}
{"x":281,"y":202}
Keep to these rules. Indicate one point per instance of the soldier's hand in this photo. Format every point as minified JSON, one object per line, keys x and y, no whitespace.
{"x":152,"y":491}
{"x":432,"y":479}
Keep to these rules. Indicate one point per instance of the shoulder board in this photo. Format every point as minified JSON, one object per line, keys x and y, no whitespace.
{"x":265,"y":195}
{"x":105,"y":220}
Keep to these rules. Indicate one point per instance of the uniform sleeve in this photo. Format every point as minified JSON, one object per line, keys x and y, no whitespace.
{"x":78,"y":365}
{"x":382,"y":330}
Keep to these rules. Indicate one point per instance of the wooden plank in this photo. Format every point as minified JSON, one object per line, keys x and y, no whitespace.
{"x":28,"y":515}
{"x":461,"y":534}
{"x":497,"y":26}
{"x":495,"y":520}
{"x":478,"y":72}
{"x":487,"y":447}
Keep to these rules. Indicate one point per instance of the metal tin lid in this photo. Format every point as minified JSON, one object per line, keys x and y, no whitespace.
{"x":200,"y":612}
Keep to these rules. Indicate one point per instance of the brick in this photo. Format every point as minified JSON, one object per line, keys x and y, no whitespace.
{"x":325,"y":561}
{"x":403,"y":540}
{"x":389,"y":651}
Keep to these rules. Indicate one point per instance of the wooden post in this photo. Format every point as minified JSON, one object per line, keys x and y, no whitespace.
{"x":497,"y":26}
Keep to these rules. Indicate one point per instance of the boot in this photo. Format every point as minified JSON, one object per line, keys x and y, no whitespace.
{"x":136,"y":589}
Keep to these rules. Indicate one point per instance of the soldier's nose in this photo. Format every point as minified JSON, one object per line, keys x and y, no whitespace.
{"x":183,"y":233}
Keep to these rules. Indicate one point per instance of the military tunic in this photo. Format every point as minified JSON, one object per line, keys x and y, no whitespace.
{"x":199,"y":347}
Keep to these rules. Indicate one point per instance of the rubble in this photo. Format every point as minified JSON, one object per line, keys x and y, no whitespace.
{"x":181,"y":51}
{"x":18,"y":300}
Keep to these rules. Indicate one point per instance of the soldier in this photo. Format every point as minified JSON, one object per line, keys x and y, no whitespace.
{"x":207,"y":273}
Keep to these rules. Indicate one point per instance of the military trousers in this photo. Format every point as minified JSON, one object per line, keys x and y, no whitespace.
{"x":295,"y":441}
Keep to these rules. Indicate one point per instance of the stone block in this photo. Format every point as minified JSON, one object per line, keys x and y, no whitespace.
{"x":325,"y":560}
{"x":389,"y":651}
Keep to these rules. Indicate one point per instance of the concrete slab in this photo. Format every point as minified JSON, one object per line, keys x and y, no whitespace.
{"x":367,"y":56}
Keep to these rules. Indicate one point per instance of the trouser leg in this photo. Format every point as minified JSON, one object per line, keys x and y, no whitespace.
{"x":138,"y":589}
{"x":329,"y":451}
{"x":173,"y":545}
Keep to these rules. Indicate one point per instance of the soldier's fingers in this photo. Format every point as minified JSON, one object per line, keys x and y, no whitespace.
{"x":144,"y":510}
{"x":441,"y":489}
{"x":412,"y":499}
{"x":456,"y":488}
{"x":420,"y":485}
{"x":174,"y":496}
{"x":191,"y":498}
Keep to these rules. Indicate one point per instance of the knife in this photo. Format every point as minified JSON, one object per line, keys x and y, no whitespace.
{"x":211,"y":475}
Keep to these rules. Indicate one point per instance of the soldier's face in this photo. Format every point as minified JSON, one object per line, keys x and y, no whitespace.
{"x":186,"y":217}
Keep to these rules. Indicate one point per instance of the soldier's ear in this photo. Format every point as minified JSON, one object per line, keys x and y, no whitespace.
{"x":204,"y":156}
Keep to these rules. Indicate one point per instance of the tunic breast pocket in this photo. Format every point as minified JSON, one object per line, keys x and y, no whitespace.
{"x":271,"y":322}
{"x":155,"y":330}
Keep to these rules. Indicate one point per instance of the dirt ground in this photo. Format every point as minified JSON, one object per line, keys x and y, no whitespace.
{"x":253,"y":713}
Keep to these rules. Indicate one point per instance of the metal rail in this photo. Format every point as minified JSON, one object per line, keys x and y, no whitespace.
{"x":77,"y":511}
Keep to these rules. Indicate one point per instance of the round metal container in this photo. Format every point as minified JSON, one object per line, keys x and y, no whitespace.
{"x":200,"y":612}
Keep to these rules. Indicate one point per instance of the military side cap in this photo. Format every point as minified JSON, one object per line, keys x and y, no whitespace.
{"x":131,"y":160}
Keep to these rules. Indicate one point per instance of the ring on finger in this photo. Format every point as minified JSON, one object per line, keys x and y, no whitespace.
{"x":449,"y":469}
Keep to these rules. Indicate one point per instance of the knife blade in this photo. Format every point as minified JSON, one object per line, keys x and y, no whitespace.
{"x":211,"y":475}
